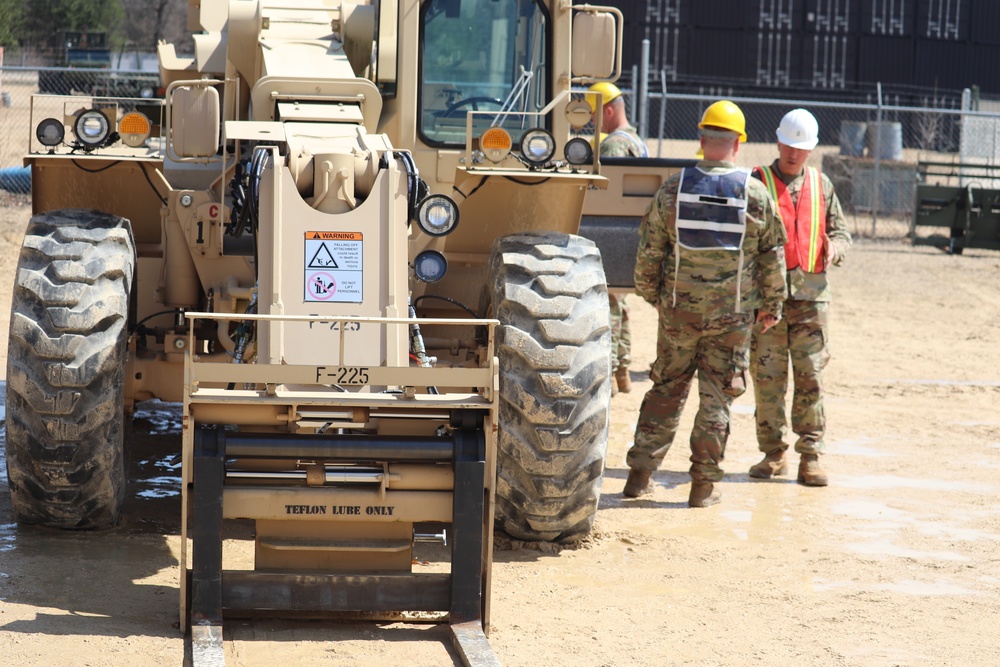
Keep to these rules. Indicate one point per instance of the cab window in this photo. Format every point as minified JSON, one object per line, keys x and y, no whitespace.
{"x":477,"y":55}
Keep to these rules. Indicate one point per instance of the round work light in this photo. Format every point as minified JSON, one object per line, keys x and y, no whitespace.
{"x":430,"y":266}
{"x":437,"y":215}
{"x":578,"y":151}
{"x":92,"y":128}
{"x":537,"y":146}
{"x":50,"y":132}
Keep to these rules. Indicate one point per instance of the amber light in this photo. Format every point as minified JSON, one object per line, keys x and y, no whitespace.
{"x":495,"y":144}
{"x":134,"y":128}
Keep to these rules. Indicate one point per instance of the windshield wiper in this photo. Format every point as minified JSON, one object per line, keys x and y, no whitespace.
{"x":514,"y":97}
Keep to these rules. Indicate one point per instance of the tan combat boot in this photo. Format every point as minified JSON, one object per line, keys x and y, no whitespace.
{"x":810,"y":473}
{"x":623,"y":380}
{"x":637,"y":483}
{"x":774,"y":463}
{"x":703,"y":494}
{"x":614,"y":388}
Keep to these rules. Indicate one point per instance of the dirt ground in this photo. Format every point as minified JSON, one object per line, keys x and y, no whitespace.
{"x":897,"y":562}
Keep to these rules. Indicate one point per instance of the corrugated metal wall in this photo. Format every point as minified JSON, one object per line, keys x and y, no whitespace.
{"x":917,"y":49}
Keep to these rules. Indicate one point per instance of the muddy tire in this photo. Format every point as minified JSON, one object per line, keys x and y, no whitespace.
{"x":65,"y":369}
{"x":554,"y":345}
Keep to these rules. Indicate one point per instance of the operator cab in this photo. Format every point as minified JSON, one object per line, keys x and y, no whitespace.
{"x":481,"y":55}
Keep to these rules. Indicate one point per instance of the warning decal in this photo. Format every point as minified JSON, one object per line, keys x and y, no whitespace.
{"x":333,"y":266}
{"x":322,"y":259}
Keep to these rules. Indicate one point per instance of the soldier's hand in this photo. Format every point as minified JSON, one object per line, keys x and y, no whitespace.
{"x":766,"y":320}
{"x":829,"y":252}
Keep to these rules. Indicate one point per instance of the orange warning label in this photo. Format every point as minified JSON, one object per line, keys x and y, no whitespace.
{"x":334,"y":236}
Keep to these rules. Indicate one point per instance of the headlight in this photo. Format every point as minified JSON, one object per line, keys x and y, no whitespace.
{"x":92,"y":128}
{"x":430,"y":266}
{"x":134,"y":128}
{"x":437,"y":215}
{"x":537,"y":146}
{"x":495,"y":144}
{"x":50,"y":132}
{"x":578,"y":151}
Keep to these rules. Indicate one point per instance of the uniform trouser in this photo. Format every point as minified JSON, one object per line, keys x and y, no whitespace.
{"x":621,"y":332}
{"x":717,"y":350}
{"x":801,"y":335}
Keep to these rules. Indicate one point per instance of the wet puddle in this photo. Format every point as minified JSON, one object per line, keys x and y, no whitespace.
{"x":7,"y":537}
{"x":155,"y":474}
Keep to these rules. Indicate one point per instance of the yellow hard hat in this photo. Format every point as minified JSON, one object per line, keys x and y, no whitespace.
{"x":609,"y":93}
{"x":726,"y":115}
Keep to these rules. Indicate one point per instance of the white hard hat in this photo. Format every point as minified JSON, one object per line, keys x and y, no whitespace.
{"x":799,"y":129}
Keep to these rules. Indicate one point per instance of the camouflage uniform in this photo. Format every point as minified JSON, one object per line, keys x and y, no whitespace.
{"x":623,"y":142}
{"x":704,"y":327}
{"x":621,"y":332}
{"x":803,"y":336}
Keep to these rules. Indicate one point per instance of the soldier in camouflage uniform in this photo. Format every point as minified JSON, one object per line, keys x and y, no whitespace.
{"x":621,"y":140}
{"x":710,"y":257}
{"x":817,"y":237}
{"x":621,"y":343}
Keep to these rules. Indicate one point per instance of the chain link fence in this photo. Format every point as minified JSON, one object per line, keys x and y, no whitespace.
{"x":16,"y":88}
{"x":870,"y":151}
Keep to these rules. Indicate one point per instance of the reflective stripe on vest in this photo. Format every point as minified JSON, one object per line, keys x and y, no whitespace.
{"x":711,"y":209}
{"x":805,"y":220}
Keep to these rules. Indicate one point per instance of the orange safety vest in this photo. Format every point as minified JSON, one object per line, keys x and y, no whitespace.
{"x":805,"y":223}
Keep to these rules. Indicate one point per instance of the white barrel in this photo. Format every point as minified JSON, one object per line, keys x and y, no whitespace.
{"x":890,"y":140}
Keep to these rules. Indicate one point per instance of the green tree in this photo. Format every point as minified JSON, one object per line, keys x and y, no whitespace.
{"x":149,"y":21}
{"x":11,"y":16}
{"x":46,"y":20}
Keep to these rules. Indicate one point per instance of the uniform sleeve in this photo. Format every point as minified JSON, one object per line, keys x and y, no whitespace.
{"x":771,"y":263}
{"x":614,"y":147}
{"x":654,"y":245}
{"x":836,"y":224}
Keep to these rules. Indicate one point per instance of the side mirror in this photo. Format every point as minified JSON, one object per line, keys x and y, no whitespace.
{"x":597,"y":43}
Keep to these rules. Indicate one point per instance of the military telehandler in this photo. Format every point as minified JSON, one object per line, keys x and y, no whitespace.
{"x":346,"y":241}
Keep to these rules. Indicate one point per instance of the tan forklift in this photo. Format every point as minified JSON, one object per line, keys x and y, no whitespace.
{"x":346,"y":242}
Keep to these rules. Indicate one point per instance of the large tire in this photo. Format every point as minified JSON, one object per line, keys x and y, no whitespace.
{"x":554,"y":345}
{"x":65,"y":369}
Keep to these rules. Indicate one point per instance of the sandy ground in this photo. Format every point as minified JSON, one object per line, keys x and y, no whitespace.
{"x":895,"y":563}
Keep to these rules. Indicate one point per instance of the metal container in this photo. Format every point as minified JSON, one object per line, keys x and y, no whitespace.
{"x":985,"y":19}
{"x":885,"y":140}
{"x":852,"y":138}
{"x":885,"y":59}
{"x":735,"y":15}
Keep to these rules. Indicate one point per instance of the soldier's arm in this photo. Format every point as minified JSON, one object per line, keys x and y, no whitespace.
{"x":838,"y":237}
{"x":771,"y":263}
{"x":613,"y":148}
{"x":654,"y":247}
